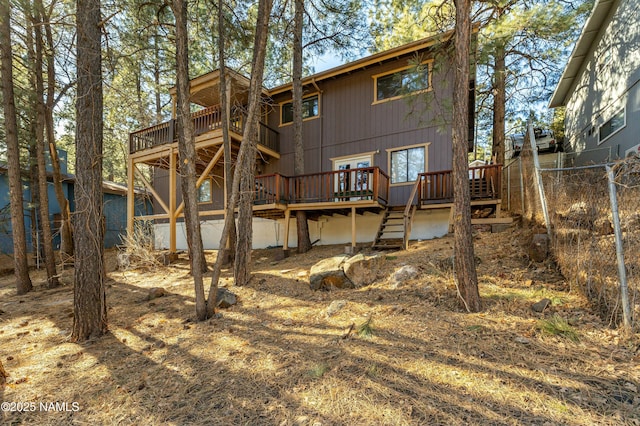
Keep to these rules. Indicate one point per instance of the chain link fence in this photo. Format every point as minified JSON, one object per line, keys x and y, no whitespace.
{"x":582,"y":225}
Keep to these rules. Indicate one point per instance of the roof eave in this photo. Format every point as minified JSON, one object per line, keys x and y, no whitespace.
{"x":591,"y":28}
{"x":372,"y":59}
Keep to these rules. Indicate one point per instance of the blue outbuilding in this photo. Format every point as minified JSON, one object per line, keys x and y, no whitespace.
{"x":115,"y":208}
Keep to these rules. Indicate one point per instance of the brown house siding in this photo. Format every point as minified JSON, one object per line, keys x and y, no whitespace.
{"x":350,"y":124}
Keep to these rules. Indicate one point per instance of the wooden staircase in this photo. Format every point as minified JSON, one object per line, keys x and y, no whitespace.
{"x":395,"y":226}
{"x":393,"y":233}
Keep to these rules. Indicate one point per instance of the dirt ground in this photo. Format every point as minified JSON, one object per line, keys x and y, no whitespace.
{"x":394,"y":354}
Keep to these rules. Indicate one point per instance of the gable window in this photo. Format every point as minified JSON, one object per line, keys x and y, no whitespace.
{"x":405,"y":164}
{"x":204,"y":192}
{"x":397,"y":83}
{"x":310,"y":109}
{"x":612,"y":126}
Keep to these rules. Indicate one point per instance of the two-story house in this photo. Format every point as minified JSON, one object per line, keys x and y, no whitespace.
{"x":600,"y":85}
{"x":378,"y":154}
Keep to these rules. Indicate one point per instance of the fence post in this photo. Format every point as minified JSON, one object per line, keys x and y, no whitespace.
{"x":521,"y":185}
{"x":509,"y":187}
{"x":622,"y":272}
{"x":536,"y":163}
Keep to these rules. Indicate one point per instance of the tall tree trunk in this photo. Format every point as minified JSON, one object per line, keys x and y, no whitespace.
{"x":90,"y":307}
{"x":156,"y":77}
{"x":66,"y":241}
{"x":34,"y":185}
{"x":43,"y":186}
{"x":230,"y":246}
{"x":499,"y":101}
{"x":304,"y":242}
{"x":245,"y":154}
{"x":32,"y":131}
{"x":21,"y":269}
{"x":242,"y":265}
{"x":187,"y":152}
{"x":464,"y":265}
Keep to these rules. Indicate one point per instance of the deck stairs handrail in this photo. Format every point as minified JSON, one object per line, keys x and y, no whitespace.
{"x":409,"y":211}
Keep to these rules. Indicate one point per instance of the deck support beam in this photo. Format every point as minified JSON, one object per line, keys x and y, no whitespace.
{"x":353,"y":229}
{"x":149,"y":187}
{"x":203,"y":176}
{"x":287,"y":219}
{"x":173,"y":172}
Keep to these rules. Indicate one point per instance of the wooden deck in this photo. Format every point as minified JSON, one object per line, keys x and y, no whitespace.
{"x":334,"y":192}
{"x":205,"y":121}
{"x":437,"y":187}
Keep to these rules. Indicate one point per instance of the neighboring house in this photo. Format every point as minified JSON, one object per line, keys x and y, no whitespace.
{"x":115,"y":208}
{"x":600,"y":85}
{"x":377,"y":141}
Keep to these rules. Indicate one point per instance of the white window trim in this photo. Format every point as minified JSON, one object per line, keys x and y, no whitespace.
{"x":363,"y":155}
{"x":310,"y":95}
{"x":375,"y":77}
{"x":624,"y":124}
{"x":407,"y":147}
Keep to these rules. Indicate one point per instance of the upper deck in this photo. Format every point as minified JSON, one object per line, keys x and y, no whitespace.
{"x":207,"y":123}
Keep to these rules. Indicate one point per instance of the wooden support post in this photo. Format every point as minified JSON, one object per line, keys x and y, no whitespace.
{"x":285,"y":243}
{"x":353,"y":230}
{"x":131,"y":199}
{"x":287,"y":217}
{"x":173,"y":172}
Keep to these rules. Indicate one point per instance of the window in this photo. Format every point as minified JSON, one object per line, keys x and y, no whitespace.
{"x":402,"y":82}
{"x":309,"y":109}
{"x":615,"y":123}
{"x":406,"y":164}
{"x":204,"y":192}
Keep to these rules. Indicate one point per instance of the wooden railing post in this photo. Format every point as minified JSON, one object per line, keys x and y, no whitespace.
{"x":376,"y":183}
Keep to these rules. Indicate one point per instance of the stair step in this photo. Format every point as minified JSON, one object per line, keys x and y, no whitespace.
{"x":392,"y":226}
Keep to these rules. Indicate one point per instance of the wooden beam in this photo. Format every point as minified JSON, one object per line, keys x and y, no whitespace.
{"x":353,"y":229}
{"x":131,"y":198}
{"x":492,"y":221}
{"x":172,"y":201}
{"x":203,"y":176}
{"x":287,"y":217}
{"x":149,"y":187}
{"x":152,"y":216}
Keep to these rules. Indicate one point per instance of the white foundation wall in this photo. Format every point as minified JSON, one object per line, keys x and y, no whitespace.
{"x":427,"y":224}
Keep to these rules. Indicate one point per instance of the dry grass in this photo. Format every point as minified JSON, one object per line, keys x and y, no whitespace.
{"x":277,"y":358}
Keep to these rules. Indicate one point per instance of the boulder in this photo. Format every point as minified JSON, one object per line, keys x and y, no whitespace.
{"x":328,"y":273}
{"x":225,"y":298}
{"x":335,"y":307}
{"x":405,"y":273}
{"x":363,"y":270}
{"x":541,"y":305}
{"x":156,"y":292}
{"x":539,"y":248}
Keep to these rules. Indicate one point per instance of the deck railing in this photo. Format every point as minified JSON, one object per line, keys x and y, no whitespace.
{"x":437,"y":187}
{"x":367,"y":183}
{"x":204,"y":121}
